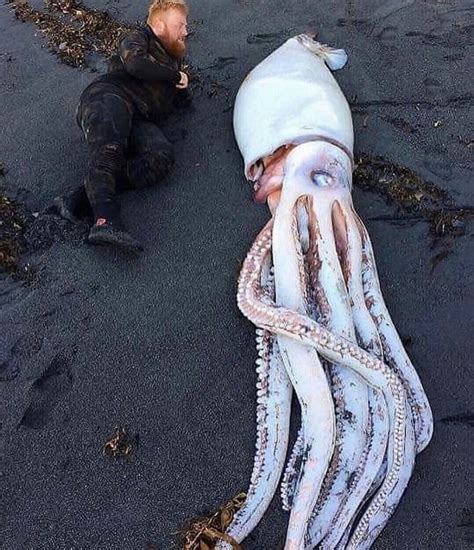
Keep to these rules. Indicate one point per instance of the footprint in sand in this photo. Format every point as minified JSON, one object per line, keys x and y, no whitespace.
{"x":46,"y":392}
{"x":387,"y":34}
{"x":267,"y":38}
{"x":221,"y":63}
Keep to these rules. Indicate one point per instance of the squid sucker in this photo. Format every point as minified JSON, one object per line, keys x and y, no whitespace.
{"x":309,"y":283}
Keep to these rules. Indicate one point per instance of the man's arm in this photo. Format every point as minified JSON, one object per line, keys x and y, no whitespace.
{"x":133,"y":50}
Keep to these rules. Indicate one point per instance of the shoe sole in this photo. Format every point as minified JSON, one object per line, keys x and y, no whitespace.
{"x":106,"y":240}
{"x":64,"y":212}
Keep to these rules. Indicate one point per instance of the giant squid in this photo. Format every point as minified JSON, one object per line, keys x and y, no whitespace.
{"x":309,"y":283}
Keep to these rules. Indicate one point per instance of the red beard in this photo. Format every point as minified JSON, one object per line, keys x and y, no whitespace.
{"x":176,"y":48}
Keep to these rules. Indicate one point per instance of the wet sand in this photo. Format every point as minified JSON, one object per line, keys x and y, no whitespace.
{"x":92,"y":339}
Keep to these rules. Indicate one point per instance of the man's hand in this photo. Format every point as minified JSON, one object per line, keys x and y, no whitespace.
{"x":183,"y":83}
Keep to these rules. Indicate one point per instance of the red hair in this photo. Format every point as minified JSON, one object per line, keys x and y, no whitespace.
{"x":160,"y":6}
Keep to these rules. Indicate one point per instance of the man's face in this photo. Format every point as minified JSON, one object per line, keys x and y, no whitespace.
{"x":173,"y":32}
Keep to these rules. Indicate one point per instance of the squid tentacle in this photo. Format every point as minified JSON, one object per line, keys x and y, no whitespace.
{"x":350,"y":527}
{"x":394,"y":351}
{"x":309,"y":381}
{"x":318,"y":433}
{"x":273,"y":419}
{"x":349,"y":239}
{"x":383,"y":504}
{"x":319,"y":311}
{"x":350,"y":392}
{"x":262,"y":311}
{"x":290,"y":477}
{"x":273,"y":415}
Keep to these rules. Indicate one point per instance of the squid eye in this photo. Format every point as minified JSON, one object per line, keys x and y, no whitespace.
{"x":321,"y":178}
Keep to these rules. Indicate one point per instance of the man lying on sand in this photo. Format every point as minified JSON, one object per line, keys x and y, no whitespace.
{"x":121,"y":113}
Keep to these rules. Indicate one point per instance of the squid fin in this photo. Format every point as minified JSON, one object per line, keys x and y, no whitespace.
{"x":334,"y":58}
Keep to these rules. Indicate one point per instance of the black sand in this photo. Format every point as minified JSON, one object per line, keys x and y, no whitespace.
{"x":91,"y":339}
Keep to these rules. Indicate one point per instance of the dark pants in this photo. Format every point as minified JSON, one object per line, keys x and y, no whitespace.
{"x":126,"y":152}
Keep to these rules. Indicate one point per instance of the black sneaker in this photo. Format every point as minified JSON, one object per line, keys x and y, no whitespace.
{"x":71,"y":205}
{"x":64,"y":210}
{"x":105,"y":232}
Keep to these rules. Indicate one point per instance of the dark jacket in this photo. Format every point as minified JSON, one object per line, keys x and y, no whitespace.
{"x":146,"y":74}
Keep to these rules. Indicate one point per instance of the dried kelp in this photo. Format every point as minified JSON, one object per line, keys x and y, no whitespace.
{"x":119,"y":444}
{"x":203,"y":533}
{"x":414,"y":198}
{"x":65,"y":40}
{"x":99,"y":27}
{"x":13,"y":218}
{"x":73,"y":30}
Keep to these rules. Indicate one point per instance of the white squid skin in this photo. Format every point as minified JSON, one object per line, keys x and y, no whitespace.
{"x":368,"y":338}
{"x":310,"y":283}
{"x":273,"y":417}
{"x":311,"y":387}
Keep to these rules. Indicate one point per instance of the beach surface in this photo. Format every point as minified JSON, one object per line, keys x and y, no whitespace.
{"x":92,"y":339}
